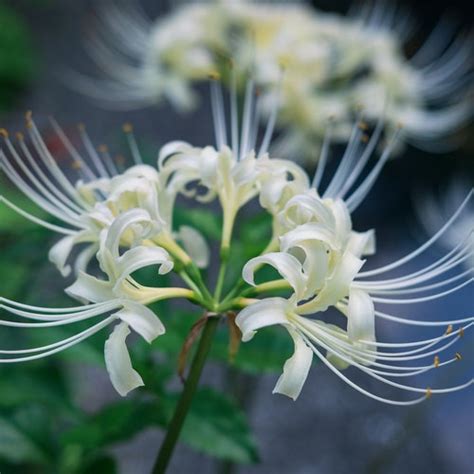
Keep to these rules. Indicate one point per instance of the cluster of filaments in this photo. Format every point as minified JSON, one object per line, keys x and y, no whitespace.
{"x":334,"y":64}
{"x":122,"y":220}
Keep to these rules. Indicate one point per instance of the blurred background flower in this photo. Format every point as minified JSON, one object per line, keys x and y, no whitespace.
{"x":329,"y":66}
{"x":62,"y":415}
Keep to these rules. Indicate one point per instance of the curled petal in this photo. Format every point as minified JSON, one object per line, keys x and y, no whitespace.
{"x":307,"y":232}
{"x":141,"y":257}
{"x":60,"y":252}
{"x":267,"y":312}
{"x":90,"y":289}
{"x":287,"y":266}
{"x":296,"y":369}
{"x":142,"y":320}
{"x":361,"y":243}
{"x":337,"y":285}
{"x":172,"y":148}
{"x":361,"y":316}
{"x":123,"y":376}
{"x":119,"y":226}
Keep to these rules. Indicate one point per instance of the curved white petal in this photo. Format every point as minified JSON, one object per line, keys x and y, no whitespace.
{"x":342,"y":218}
{"x":90,"y":289}
{"x":361,"y":316}
{"x":362,"y":243}
{"x":84,"y":257}
{"x":142,"y":320}
{"x":296,"y":368}
{"x":120,"y":225}
{"x":60,"y":252}
{"x":287,"y":266}
{"x":267,"y":312}
{"x":172,"y":148}
{"x":141,"y":257}
{"x":195,"y":245}
{"x":307,"y":232}
{"x":123,"y":376}
{"x":337,"y":285}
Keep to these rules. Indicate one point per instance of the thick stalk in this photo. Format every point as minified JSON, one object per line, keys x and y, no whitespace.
{"x":184,"y":403}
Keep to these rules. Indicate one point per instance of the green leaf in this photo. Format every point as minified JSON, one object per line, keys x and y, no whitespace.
{"x":26,"y":434}
{"x":15,"y":446}
{"x":115,"y":423}
{"x":216,"y":426}
{"x":43,"y":383}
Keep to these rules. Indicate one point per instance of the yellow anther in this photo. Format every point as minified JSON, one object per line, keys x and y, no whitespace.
{"x":120,"y":159}
{"x":127,"y":127}
{"x":20,"y":136}
{"x":364,"y":138}
{"x":103,"y":148}
{"x":436,"y":361}
{"x":81,"y":127}
{"x":428,"y":392}
{"x":29,"y":119}
{"x":458,"y":356}
{"x":76,"y":164}
{"x":4,"y":132}
{"x":461,"y":332}
{"x":400,"y":125}
{"x":363,"y":126}
{"x":449,"y":330}
{"x":214,"y":76}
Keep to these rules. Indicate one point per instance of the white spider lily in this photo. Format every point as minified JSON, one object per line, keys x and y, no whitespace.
{"x":88,"y":202}
{"x":119,"y":294}
{"x":346,"y":288}
{"x":236,"y":170}
{"x":333,"y":64}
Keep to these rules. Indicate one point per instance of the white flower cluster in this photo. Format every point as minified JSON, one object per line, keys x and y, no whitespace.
{"x":333,"y":65}
{"x":125,"y":220}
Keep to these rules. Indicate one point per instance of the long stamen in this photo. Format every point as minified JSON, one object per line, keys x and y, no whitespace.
{"x":71,"y":343}
{"x":132,"y":143}
{"x":423,"y":247}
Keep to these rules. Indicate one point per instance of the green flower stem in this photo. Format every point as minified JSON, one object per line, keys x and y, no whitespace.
{"x":184,"y":403}
{"x":221,"y":275}
{"x":192,"y":276}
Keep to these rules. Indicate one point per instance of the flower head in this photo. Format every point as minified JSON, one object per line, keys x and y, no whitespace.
{"x":333,"y":66}
{"x":123,"y":219}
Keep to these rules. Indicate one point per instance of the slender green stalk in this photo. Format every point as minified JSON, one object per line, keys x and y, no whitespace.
{"x":184,"y":403}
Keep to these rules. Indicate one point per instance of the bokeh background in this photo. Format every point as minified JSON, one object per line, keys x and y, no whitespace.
{"x":331,"y":428}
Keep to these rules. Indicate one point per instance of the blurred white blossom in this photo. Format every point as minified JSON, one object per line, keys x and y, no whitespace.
{"x":333,"y":66}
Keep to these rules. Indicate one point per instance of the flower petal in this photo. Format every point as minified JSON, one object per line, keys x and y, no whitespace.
{"x":258,"y":315}
{"x":142,"y":320}
{"x":123,"y":376}
{"x":337,"y":285}
{"x":195,"y":245}
{"x":361,"y":316}
{"x":287,"y":266}
{"x":90,"y":289}
{"x":141,"y":257}
{"x":296,"y":369}
{"x":59,"y":253}
{"x":362,"y":243}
